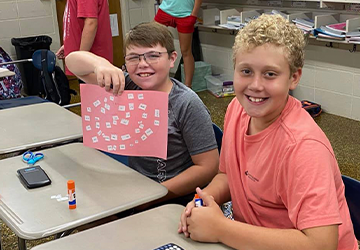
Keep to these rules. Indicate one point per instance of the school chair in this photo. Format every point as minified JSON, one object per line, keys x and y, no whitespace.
{"x":218,"y":135}
{"x":352,"y":191}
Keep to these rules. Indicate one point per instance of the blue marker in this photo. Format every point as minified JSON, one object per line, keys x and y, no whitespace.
{"x":198,"y":201}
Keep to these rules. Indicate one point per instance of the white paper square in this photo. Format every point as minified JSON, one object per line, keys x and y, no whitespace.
{"x":140,"y":96}
{"x":127,"y":115}
{"x":115,"y":118}
{"x":105,"y":99}
{"x":136,"y":141}
{"x":107,"y":138}
{"x":97,"y":124}
{"x":107,"y":106}
{"x":144,"y":115}
{"x":143,"y":137}
{"x":94,"y":139}
{"x":114,"y":137}
{"x":102,"y":110}
{"x":125,"y":137}
{"x":156,"y":123}
{"x":88,"y":128}
{"x":88,"y":109}
{"x":108,"y":125}
{"x":142,"y":106}
{"x":131,"y":106}
{"x":121,"y":108}
{"x":124,"y":121}
{"x":109,"y":147}
{"x":157,"y":113}
{"x":111,"y":98}
{"x":97,"y":118}
{"x":137,"y":131}
{"x":87,"y":118}
{"x":130,"y":96}
{"x":122,"y":147}
{"x":97,"y":103}
{"x":148,"y":131}
{"x":115,"y":122}
{"x":114,"y":148}
{"x":99,"y":132}
{"x":141,"y":126}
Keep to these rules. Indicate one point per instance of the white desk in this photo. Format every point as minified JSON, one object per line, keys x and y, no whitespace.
{"x":37,"y":125}
{"x":103,"y":187}
{"x":145,"y":231}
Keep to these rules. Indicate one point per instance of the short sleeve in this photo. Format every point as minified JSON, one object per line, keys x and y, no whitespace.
{"x":196,"y":125}
{"x":87,"y":8}
{"x":306,"y":184}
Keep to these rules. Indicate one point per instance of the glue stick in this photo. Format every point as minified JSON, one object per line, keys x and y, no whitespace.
{"x":71,"y":193}
{"x":198,"y":201}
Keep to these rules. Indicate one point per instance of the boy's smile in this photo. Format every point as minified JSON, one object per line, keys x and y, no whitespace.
{"x":262,"y":81}
{"x":152,"y":70}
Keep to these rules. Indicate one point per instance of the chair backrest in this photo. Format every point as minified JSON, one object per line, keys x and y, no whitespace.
{"x":218,"y":136}
{"x":352,"y":194}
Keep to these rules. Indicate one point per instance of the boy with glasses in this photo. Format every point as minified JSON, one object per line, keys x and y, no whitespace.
{"x":192,"y":157}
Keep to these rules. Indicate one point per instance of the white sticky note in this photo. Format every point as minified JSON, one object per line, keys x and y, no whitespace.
{"x":108,"y":125}
{"x":107,"y":138}
{"x":115,"y":118}
{"x":141,"y":126}
{"x":131,"y":106}
{"x":144,"y":115}
{"x":88,"y":109}
{"x":99,"y":132}
{"x":142,"y":106}
{"x":143,"y":137}
{"x":157,"y":113}
{"x":125,"y":137}
{"x":121,"y":108}
{"x":127,"y":115}
{"x":97,"y":103}
{"x":87,"y":118}
{"x":115,"y":122}
{"x":122,"y":147}
{"x":95,"y":139}
{"x":140,"y":96}
{"x":114,"y":148}
{"x":105,"y":99}
{"x":97,"y":118}
{"x":97,"y":124}
{"x":156,"y":123}
{"x":124,"y":121}
{"x":107,"y":106}
{"x":114,"y":137}
{"x":137,"y":131}
{"x":112,"y":98}
{"x":102,"y":110}
{"x":148,"y":131}
{"x":130,"y":96}
{"x":88,"y":128}
{"x":110,"y":147}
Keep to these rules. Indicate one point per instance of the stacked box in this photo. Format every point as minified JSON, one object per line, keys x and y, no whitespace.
{"x":202,"y":69}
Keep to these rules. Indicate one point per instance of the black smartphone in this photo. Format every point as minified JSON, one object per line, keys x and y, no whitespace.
{"x":33,"y":177}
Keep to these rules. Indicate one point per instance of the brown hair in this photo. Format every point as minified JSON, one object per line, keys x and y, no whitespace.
{"x":149,"y":35}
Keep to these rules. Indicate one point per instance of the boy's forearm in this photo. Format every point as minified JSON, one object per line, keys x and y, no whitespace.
{"x":219,"y":188}
{"x":88,"y":34}
{"x":244,"y":236}
{"x":197,"y":6}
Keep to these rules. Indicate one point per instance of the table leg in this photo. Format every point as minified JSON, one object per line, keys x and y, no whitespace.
{"x":21,"y":244}
{"x":63,"y":234}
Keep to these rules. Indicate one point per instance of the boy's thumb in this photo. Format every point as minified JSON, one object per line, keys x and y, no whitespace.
{"x":207,"y":199}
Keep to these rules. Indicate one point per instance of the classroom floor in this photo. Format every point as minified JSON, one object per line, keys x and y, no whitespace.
{"x":343,"y":134}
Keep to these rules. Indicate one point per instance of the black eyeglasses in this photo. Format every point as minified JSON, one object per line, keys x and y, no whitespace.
{"x":151,"y":57}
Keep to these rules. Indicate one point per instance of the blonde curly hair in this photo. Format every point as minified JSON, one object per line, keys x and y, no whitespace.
{"x":276,"y":30}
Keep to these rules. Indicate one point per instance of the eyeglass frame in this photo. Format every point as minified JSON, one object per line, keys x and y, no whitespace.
{"x":143,"y":55}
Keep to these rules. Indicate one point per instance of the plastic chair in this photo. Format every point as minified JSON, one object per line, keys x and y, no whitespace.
{"x":218,"y":135}
{"x":352,"y":192}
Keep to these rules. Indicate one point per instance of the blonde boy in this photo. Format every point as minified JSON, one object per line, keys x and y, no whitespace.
{"x":276,"y":164}
{"x":192,"y":157}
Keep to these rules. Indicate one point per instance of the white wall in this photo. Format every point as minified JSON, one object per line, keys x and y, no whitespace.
{"x":331,"y":76}
{"x":24,"y":18}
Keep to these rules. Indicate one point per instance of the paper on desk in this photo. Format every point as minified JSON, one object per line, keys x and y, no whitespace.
{"x":133,"y":124}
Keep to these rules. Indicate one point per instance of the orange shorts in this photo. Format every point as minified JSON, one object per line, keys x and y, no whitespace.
{"x":183,"y":24}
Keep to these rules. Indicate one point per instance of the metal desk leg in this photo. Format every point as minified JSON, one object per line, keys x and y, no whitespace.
{"x":63,"y":234}
{"x":21,"y":244}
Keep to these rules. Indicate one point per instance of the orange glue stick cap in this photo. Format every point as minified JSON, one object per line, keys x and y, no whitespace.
{"x":71,"y":184}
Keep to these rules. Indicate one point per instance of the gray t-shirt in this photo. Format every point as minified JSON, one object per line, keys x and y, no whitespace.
{"x":190,"y":132}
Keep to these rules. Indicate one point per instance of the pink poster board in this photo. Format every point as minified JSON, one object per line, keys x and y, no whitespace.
{"x":133,"y":124}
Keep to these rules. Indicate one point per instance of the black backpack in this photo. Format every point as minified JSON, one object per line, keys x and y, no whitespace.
{"x":56,"y":84}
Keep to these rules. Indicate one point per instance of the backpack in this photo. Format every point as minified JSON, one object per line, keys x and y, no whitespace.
{"x":56,"y":84}
{"x":312,"y":108}
{"x":10,"y":86}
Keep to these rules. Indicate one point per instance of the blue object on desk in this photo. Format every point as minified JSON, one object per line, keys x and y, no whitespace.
{"x":31,"y":158}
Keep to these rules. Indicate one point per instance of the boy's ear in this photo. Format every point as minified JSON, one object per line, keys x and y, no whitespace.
{"x":172,"y":59}
{"x":295,"y":79}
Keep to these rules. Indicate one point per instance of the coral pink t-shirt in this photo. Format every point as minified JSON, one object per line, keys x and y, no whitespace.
{"x":74,"y":16}
{"x":285,"y":176}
